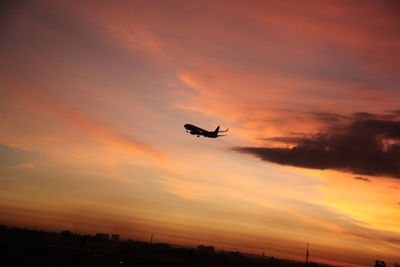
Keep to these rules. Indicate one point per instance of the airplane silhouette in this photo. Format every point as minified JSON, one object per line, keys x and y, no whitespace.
{"x":194,"y":130}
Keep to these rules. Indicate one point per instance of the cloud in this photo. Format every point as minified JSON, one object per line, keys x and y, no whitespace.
{"x":368,"y":145}
{"x":42,"y":101}
{"x":14,"y":156}
{"x":105,"y":132}
{"x":362,"y":178}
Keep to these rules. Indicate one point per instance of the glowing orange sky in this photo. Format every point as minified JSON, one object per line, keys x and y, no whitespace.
{"x":94,"y":97}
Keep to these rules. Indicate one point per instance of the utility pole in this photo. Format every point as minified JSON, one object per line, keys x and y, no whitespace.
{"x":307,"y":253}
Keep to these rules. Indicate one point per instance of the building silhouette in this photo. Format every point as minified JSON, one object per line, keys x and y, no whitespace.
{"x":206,"y":249}
{"x":115,"y":237}
{"x":102,"y":236}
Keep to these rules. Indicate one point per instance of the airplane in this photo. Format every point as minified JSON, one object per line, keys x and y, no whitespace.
{"x":194,"y":130}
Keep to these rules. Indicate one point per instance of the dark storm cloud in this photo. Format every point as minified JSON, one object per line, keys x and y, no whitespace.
{"x":367,"y":145}
{"x":389,"y":115}
{"x":362,"y":178}
{"x":395,"y":112}
{"x":328,"y":117}
{"x":363,"y":115}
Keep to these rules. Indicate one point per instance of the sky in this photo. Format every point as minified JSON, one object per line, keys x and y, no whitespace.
{"x":94,"y":96}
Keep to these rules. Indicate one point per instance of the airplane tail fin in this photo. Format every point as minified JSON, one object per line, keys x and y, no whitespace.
{"x":218,"y":131}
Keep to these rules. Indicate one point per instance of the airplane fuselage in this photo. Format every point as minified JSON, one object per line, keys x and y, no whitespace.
{"x":194,"y":130}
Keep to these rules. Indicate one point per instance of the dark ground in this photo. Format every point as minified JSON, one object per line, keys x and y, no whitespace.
{"x":23,"y":247}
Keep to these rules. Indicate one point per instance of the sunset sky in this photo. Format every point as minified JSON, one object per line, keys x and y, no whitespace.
{"x":94,"y":96}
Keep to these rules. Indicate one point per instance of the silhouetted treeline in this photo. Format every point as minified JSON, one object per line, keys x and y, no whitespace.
{"x":23,"y":247}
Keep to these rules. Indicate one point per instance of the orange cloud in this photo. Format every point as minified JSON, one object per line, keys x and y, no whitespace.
{"x":105,"y":132}
{"x":38,"y":100}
